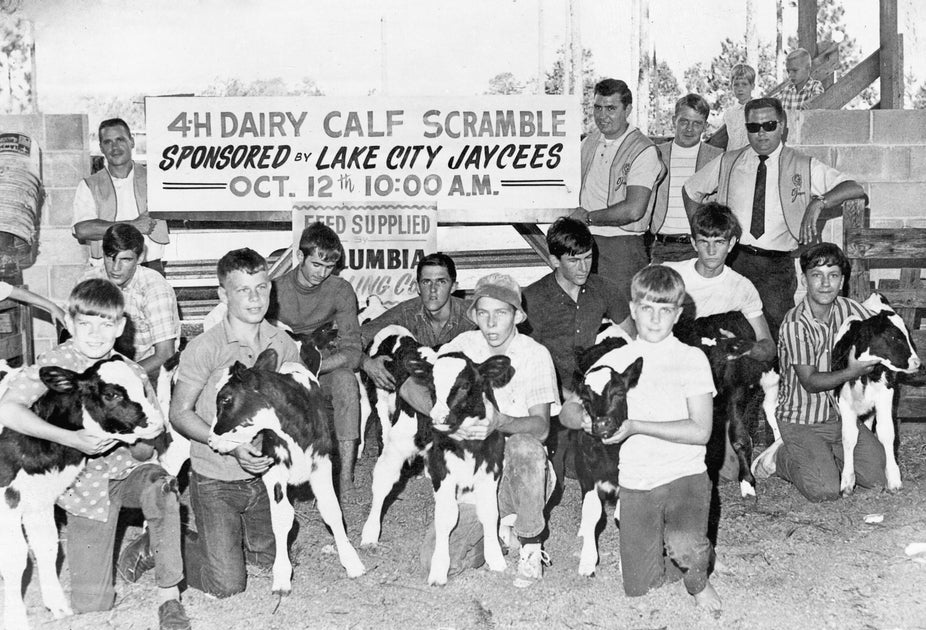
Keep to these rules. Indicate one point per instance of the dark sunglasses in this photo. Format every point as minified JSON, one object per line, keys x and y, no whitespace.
{"x":768,"y":125}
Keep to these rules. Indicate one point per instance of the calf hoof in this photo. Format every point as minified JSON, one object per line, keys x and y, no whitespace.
{"x":847,"y":485}
{"x":437,"y":579}
{"x":355,"y":569}
{"x":894,"y":488}
{"x":497,"y":565}
{"x":586,"y":571}
{"x":59,"y":609}
{"x":747,"y":489}
{"x":369,"y":537}
{"x":282,"y":591}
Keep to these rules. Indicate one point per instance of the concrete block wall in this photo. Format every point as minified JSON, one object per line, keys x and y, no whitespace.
{"x":64,"y":140}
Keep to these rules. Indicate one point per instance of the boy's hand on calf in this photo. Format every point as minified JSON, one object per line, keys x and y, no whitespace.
{"x":376,"y":370}
{"x":623,"y":432}
{"x":251,"y":460}
{"x":89,"y":444}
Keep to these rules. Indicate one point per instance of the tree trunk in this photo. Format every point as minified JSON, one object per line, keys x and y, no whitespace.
{"x":752,"y":41}
{"x":641,"y":98}
{"x":779,"y":47}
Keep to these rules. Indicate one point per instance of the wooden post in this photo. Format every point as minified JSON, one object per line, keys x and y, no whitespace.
{"x":891,"y":57}
{"x":807,"y":26}
{"x":854,"y":216}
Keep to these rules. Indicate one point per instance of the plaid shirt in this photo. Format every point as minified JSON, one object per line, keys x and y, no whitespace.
{"x":151,"y":304}
{"x":805,"y":340}
{"x":88,"y":496}
{"x":791,"y":98}
{"x":411,"y":315}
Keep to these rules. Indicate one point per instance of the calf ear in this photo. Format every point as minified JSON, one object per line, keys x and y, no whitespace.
{"x":324,"y":335}
{"x":58,"y":379}
{"x":266,"y":360}
{"x":311,"y":357}
{"x":497,"y":371}
{"x":632,"y":374}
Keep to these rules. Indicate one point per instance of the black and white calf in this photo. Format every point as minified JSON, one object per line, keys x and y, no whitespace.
{"x":286,"y":411}
{"x":107,"y":399}
{"x":603,"y":392}
{"x":406,"y":432}
{"x":882,"y":337}
{"x":740,"y":381}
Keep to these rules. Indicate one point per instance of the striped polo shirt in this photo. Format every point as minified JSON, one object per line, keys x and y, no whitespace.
{"x":805,"y":340}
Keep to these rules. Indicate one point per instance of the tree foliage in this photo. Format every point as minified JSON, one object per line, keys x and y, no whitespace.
{"x":664,"y":91}
{"x":505,"y":83}
{"x":261,"y":87}
{"x":713,"y":81}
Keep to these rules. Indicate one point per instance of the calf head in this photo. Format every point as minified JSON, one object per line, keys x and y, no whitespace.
{"x":315,"y":346}
{"x":113,"y":399}
{"x":243,"y":404}
{"x":462,"y":388}
{"x":882,"y":337}
{"x":373,"y":309}
{"x":603,"y":392}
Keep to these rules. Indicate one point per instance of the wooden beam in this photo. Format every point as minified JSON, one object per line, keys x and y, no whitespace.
{"x":807,"y":26}
{"x":885,"y":244}
{"x":850,"y":85}
{"x":536,"y":239}
{"x":445,"y":216}
{"x":891,"y":56}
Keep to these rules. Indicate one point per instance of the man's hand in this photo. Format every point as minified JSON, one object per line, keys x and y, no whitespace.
{"x":250,"y":459}
{"x":89,"y":444}
{"x":857,"y":367}
{"x":144,"y":223}
{"x":478,"y":428}
{"x":579,"y":214}
{"x":623,"y":432}
{"x":811,"y":216}
{"x":376,"y":370}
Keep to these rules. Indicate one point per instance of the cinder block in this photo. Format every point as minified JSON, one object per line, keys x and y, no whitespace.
{"x":57,"y":211}
{"x":873,"y":162}
{"x":899,"y":126}
{"x":58,"y":247}
{"x":897,"y":200}
{"x":30,"y":124}
{"x":36,"y":278}
{"x":829,"y":127}
{"x":918,"y":160}
{"x":915,"y":222}
{"x":884,"y":224}
{"x":67,"y":132}
{"x":822,"y":153}
{"x":64,"y":168}
{"x":63,"y":278}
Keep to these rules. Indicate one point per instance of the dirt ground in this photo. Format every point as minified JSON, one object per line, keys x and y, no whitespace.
{"x":784,"y":563}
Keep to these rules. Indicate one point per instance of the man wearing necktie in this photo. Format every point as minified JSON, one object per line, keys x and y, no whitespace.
{"x":777,"y":195}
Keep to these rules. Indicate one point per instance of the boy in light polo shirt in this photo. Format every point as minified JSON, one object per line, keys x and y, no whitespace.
{"x":664,"y":487}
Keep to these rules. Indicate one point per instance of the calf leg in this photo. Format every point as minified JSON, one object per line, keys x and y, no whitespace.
{"x":885,"y":432}
{"x":485,"y":492}
{"x":12,"y":565}
{"x":446,"y":513}
{"x":591,"y":514}
{"x":849,"y":440}
{"x":281,"y":520}
{"x":399,"y":446}
{"x":741,"y":440}
{"x":43,"y":538}
{"x":330,"y":510}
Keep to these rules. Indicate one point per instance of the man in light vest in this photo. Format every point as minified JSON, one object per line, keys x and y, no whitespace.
{"x":117,"y":194}
{"x":683,"y":155}
{"x":777,"y":195}
{"x":620,"y":168}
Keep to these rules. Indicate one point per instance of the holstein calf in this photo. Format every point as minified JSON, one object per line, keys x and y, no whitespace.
{"x":882,"y":337}
{"x":406,"y":432}
{"x":463,"y":389}
{"x":740,"y":381}
{"x":286,"y":410}
{"x":107,"y":399}
{"x":603,"y":392}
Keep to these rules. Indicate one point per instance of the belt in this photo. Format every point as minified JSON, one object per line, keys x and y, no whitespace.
{"x":763,"y":253}
{"x":673,"y":238}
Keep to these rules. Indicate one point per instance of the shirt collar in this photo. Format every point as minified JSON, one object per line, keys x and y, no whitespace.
{"x":266,"y":332}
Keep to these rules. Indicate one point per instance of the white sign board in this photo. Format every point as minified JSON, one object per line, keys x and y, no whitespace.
{"x":214,"y":154}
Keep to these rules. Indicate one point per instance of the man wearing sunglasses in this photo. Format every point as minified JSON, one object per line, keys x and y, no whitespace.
{"x":777,"y":194}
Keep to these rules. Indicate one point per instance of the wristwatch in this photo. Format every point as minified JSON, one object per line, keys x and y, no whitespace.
{"x":821,"y":198}
{"x":588,"y":219}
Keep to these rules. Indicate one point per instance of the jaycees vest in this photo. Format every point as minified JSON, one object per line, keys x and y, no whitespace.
{"x":104,"y":196}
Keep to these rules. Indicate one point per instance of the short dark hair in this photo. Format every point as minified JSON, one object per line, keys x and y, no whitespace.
{"x":244,"y":259}
{"x":766,"y":102}
{"x":825,"y":255}
{"x":695,"y":102}
{"x":437,"y":259}
{"x":113,"y":122}
{"x":122,"y":237}
{"x":320,"y":239}
{"x":715,"y":219}
{"x":98,"y":298}
{"x":610,"y":87}
{"x":568,"y":236}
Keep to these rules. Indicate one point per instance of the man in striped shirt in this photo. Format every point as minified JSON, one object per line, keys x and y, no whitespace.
{"x":809,"y":453}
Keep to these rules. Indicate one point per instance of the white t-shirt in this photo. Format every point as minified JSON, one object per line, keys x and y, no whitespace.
{"x":672,"y":372}
{"x":728,"y":291}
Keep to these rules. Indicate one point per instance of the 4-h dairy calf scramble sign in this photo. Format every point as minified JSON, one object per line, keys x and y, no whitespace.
{"x":228,"y":154}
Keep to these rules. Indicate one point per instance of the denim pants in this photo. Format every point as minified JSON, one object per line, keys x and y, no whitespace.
{"x":664,"y":535}
{"x":342,"y":394}
{"x":811,"y":459}
{"x":90,"y":543}
{"x":774,"y":278}
{"x":233,"y":526}
{"x":526,"y":484}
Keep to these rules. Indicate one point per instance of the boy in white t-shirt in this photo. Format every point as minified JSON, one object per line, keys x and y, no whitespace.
{"x":664,"y":487}
{"x":711,"y":286}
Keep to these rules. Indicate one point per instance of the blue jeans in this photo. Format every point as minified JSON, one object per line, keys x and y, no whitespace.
{"x":233,"y":526}
{"x":526,"y":484}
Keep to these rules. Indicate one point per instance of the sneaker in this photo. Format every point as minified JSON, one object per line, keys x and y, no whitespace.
{"x":530,"y":565}
{"x":135,"y":559}
{"x":171,"y":616}
{"x":763,"y":466}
